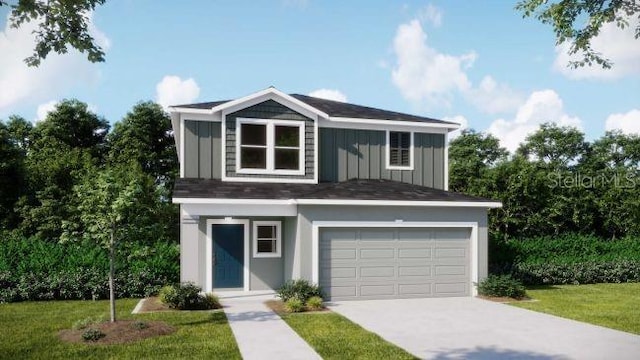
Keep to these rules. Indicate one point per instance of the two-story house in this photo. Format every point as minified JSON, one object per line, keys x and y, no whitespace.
{"x":275,"y":187}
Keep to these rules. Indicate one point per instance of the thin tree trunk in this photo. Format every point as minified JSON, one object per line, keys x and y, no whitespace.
{"x":112,"y":292}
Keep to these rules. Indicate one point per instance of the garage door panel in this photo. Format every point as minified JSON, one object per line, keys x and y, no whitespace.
{"x":398,"y":263}
{"x":409,"y":271}
{"x":450,"y":270}
{"x":369,"y":253}
{"x":410,"y":253}
{"x":377,"y":290}
{"x":423,"y":289}
{"x":449,"y":289}
{"x":339,"y":272}
{"x":376,"y":272}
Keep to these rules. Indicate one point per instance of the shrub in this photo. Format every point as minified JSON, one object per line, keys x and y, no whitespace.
{"x":294,"y":305}
{"x":300,"y":289}
{"x":501,"y":285}
{"x":314,"y":303}
{"x":187,"y":296}
{"x":139,"y":325}
{"x":92,"y":334}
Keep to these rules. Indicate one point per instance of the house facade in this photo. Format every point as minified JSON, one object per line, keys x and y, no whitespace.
{"x":275,"y":187}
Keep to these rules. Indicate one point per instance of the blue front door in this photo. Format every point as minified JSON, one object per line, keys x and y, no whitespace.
{"x":228,"y":255}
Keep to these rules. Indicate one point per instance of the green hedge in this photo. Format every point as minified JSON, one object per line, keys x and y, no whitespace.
{"x":35,"y":269}
{"x":566,"y":259}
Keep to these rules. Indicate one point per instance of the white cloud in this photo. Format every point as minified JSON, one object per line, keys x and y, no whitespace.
{"x":20,"y":83}
{"x":329,"y":94}
{"x":424,"y":74}
{"x":44,"y":109}
{"x":172,"y":90}
{"x":431,"y":15}
{"x":492,"y":97}
{"x":618,"y":45}
{"x":464,"y":124}
{"x":541,"y":107}
{"x":628,"y":123}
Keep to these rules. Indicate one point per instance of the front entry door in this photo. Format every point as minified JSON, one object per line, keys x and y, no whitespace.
{"x":228,"y":255}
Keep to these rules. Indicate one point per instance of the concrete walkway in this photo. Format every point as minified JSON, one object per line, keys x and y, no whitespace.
{"x":259,"y":332}
{"x":470,"y":328}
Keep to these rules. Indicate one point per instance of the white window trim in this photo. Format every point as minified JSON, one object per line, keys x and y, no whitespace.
{"x":388,"y":152}
{"x":271,"y":124}
{"x":278,"y":225}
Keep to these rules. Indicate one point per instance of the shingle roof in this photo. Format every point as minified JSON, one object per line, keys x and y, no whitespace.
{"x":347,"y":190}
{"x":339,"y":109}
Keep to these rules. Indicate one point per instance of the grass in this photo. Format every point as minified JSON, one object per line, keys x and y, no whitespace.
{"x":29,"y":331}
{"x":610,"y":305}
{"x":335,"y":337}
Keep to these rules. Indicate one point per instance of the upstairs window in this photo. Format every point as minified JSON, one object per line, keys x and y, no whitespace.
{"x":399,"y":150}
{"x":270,"y":146}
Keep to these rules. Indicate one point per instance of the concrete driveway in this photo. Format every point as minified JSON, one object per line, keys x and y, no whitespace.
{"x":470,"y":328}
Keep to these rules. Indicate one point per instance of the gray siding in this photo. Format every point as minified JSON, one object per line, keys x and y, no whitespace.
{"x":311,"y":213}
{"x":350,"y":153}
{"x":269,"y":110}
{"x":202,"y":144}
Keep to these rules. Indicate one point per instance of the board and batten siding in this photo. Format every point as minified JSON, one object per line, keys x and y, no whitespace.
{"x":269,"y":109}
{"x":352,"y":153}
{"x":203,"y":149}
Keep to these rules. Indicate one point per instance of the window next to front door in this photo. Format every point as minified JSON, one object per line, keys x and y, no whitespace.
{"x":267,"y":239}
{"x":270,"y":147}
{"x":399,"y":150}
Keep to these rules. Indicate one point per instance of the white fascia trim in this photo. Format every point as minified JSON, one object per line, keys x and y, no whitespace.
{"x":399,"y":126}
{"x":270,"y":94}
{"x":446,"y":162}
{"x":232,"y":201}
{"x":315,"y":241}
{"x":209,"y":257}
{"x":388,"y":152}
{"x":448,"y":127}
{"x":186,"y":110}
{"x":225,"y":210}
{"x":477,"y":204}
{"x":181,"y":142}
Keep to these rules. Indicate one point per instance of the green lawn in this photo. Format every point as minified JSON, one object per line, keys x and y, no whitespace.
{"x":29,"y":330}
{"x":335,"y":337}
{"x":611,"y":305}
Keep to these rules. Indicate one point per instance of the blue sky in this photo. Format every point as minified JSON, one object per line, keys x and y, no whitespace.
{"x":475,"y":62}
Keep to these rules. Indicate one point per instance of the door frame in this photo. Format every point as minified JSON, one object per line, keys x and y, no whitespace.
{"x":209,"y":255}
{"x":318,"y":225}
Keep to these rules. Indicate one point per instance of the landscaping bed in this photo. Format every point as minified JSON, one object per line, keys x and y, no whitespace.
{"x":119,"y":332}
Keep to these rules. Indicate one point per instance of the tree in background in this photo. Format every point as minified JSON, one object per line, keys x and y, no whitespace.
{"x":579,"y":21}
{"x":60,"y":23}
{"x":64,"y":146}
{"x":145,"y":136}
{"x":11,"y":177}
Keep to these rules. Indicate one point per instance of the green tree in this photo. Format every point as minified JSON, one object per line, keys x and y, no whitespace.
{"x":472,"y":155}
{"x":558,"y":146}
{"x":144,"y":135}
{"x":67,"y":144}
{"x":20,"y":131}
{"x":11,"y":177}
{"x":107,"y":207}
{"x":60,"y":23}
{"x":579,"y":21}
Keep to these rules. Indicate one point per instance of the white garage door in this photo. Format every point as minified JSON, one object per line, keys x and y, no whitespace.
{"x":388,"y":263}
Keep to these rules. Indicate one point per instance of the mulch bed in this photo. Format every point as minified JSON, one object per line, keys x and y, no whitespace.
{"x":153,"y":304}
{"x":278,"y":307}
{"x":119,"y":332}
